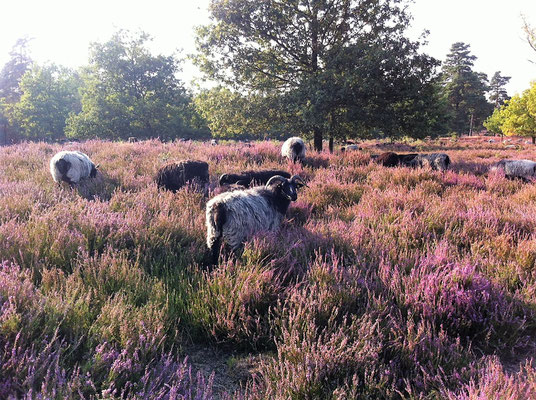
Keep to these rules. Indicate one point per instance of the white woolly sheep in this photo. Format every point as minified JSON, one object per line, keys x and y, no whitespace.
{"x":71,"y":167}
{"x":293,"y":149}
{"x":522,"y":169}
{"x":235,"y":217}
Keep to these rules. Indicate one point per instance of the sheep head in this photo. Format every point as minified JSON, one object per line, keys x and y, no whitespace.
{"x":286,"y":187}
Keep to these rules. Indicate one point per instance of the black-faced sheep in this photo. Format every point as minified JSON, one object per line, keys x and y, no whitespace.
{"x":436,"y":161}
{"x":234,"y":217}
{"x":388,"y":159}
{"x":522,"y":169}
{"x":246,"y":178}
{"x":293,"y":149}
{"x":175,"y":175}
{"x":71,"y":167}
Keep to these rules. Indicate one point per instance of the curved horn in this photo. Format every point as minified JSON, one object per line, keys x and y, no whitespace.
{"x":222,"y":179}
{"x":276,"y":178}
{"x":296,"y":179}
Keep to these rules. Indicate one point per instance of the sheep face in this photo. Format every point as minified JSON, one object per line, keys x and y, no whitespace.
{"x":93,"y":172}
{"x":286,"y":188}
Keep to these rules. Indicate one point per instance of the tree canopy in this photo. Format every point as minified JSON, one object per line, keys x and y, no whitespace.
{"x":127,"y":92}
{"x":464,"y":90}
{"x":48,"y":95}
{"x":517,"y":116}
{"x":342,"y":67}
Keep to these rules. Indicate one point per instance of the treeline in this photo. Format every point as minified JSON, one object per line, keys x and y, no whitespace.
{"x":323,"y":69}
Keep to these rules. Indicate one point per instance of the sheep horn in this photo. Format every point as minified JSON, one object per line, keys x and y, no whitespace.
{"x":274,"y":179}
{"x":298,"y":180}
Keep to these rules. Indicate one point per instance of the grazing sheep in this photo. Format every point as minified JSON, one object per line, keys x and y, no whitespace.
{"x":522,"y":169}
{"x":175,"y":175}
{"x":293,"y":149}
{"x":213,"y":142}
{"x":132,"y":139}
{"x":388,"y":159}
{"x":436,"y":161}
{"x":235,"y":217}
{"x":246,"y":178}
{"x":71,"y":167}
{"x":350,"y":147}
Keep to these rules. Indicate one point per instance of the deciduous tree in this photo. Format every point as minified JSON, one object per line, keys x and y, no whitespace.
{"x":332,"y":65}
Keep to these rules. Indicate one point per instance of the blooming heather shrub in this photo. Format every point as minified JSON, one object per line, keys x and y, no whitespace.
{"x":465,"y":303}
{"x":382,"y":283}
{"x":494,"y":383}
{"x":232,"y":305}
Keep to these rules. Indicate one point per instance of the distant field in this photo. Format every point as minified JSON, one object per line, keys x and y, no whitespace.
{"x":383,"y":283}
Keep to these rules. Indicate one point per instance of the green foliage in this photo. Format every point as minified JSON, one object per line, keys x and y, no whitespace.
{"x":48,"y":95}
{"x":495,"y":121}
{"x":230,"y":114}
{"x":520,"y":114}
{"x":498,"y":93}
{"x":333,"y":66}
{"x":464,"y":90}
{"x":10,"y":76}
{"x":129,"y":92}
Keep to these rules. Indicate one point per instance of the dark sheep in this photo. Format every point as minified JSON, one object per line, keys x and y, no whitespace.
{"x":175,"y":175}
{"x":390,"y":159}
{"x":247,"y":178}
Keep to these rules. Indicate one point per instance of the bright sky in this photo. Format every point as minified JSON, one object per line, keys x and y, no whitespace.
{"x":63,"y":29}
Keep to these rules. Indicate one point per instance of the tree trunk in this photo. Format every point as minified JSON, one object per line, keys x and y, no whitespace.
{"x":534,"y":140}
{"x":331,"y":144}
{"x":317,"y":139}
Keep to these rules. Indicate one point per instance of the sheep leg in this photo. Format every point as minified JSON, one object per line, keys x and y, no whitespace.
{"x":218,"y":218}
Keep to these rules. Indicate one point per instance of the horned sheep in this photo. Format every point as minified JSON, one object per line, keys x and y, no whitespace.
{"x":71,"y":167}
{"x":293,"y":149}
{"x":175,"y":175}
{"x":234,"y":217}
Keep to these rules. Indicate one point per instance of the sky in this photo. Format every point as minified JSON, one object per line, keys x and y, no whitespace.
{"x":63,"y":29}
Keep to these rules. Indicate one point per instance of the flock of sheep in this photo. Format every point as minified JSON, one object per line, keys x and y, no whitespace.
{"x":256,"y":201}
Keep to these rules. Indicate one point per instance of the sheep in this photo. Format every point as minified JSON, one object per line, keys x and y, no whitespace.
{"x":175,"y":175}
{"x":213,"y":142}
{"x":293,"y":149}
{"x":132,"y":139}
{"x":388,"y":159}
{"x":522,"y":169}
{"x":235,"y":217}
{"x":436,"y":161}
{"x":71,"y":167}
{"x":246,"y":178}
{"x":350,"y":147}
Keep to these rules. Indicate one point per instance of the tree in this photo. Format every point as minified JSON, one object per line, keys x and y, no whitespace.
{"x":10,"y":76}
{"x":304,"y":55}
{"x":464,"y":90}
{"x":13,"y":70}
{"x":129,"y":92}
{"x":48,"y":95}
{"x":530,"y":34}
{"x":520,"y":114}
{"x":498,"y":93}
{"x":495,"y":121}
{"x":230,"y":114}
